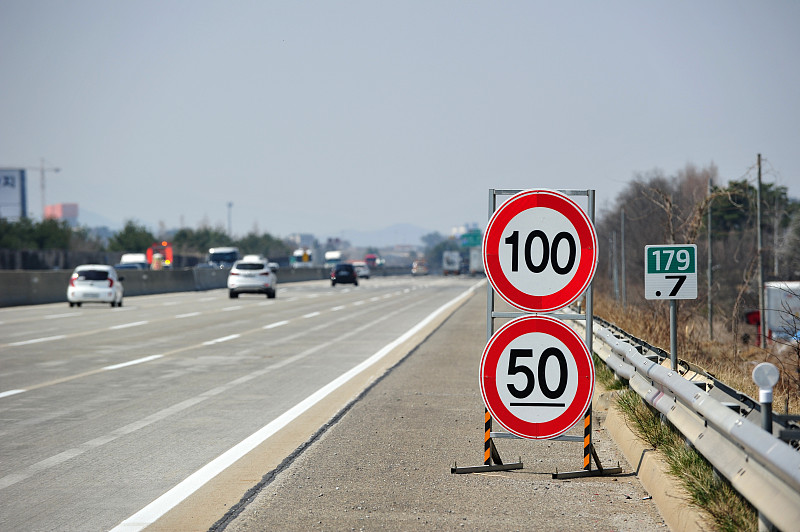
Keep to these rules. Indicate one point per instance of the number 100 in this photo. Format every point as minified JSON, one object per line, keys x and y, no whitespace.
{"x":548,"y":251}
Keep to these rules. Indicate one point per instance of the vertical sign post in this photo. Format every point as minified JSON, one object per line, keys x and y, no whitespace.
{"x":671,"y":274}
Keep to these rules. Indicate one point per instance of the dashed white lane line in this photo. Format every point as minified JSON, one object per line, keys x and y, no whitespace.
{"x":39,"y":340}
{"x":276,"y":324}
{"x":127,"y":325}
{"x":133,"y":362}
{"x":156,"y":509}
{"x":223,"y":339}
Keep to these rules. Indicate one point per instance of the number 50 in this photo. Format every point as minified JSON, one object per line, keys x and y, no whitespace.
{"x":550,"y":393}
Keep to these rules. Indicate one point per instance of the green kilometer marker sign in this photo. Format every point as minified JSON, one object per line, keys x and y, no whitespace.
{"x":670,"y":272}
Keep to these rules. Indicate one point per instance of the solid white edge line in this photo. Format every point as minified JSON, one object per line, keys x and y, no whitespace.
{"x":10,"y":392}
{"x":156,"y":509}
{"x":133,"y":362}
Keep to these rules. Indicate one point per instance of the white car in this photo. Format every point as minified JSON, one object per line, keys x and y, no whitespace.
{"x":362,"y":270}
{"x":253,"y":275}
{"x":95,"y":283}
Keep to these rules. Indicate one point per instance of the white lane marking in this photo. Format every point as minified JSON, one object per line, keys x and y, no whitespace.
{"x":126,"y":325}
{"x":156,"y":509}
{"x":357,"y":303}
{"x":340,"y":307}
{"x":13,"y":478}
{"x":169,"y":303}
{"x":311,"y":314}
{"x":276,"y":324}
{"x":133,"y":362}
{"x":265,"y":303}
{"x":10,"y":392}
{"x":226,"y":309}
{"x":223,"y":339}
{"x":187,"y":315}
{"x":54,"y":316}
{"x":39,"y":340}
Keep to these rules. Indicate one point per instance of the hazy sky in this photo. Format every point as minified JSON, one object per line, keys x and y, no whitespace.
{"x":322,"y":116}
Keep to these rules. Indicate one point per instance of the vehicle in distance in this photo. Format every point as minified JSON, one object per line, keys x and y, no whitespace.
{"x":223,"y":257}
{"x":95,"y":283}
{"x":362,"y":270}
{"x":133,"y":261}
{"x":253,"y":275}
{"x":344,"y":273}
{"x":451,"y":263}
{"x":419,"y":267}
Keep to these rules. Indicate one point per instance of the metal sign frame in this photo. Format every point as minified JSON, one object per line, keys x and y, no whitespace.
{"x":492,"y":460}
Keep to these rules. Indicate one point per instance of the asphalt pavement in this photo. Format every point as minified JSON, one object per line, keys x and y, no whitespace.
{"x":385,"y":462}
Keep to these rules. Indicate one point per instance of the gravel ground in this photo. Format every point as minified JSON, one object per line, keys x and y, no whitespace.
{"x":385,"y":463}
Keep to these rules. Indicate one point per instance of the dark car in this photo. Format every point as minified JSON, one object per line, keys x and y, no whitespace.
{"x":344,"y":273}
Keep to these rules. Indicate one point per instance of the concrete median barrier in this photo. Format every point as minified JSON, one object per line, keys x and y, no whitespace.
{"x":34,"y":287}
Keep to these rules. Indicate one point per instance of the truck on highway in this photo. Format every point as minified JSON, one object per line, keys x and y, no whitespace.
{"x":302,"y":258}
{"x":475,"y":261}
{"x":451,"y":263}
{"x":223,"y":257}
{"x":332,"y":258}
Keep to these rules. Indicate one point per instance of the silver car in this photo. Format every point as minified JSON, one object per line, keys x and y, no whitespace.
{"x":95,"y":283}
{"x":254,"y":275}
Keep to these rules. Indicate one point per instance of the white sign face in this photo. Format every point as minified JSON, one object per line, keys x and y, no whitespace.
{"x":540,"y":250}
{"x":670,"y":272}
{"x":537,"y":377}
{"x":12,"y":194}
{"x":537,"y":261}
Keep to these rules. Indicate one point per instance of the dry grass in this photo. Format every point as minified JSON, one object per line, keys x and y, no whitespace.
{"x":729,"y":510}
{"x":727,"y":357}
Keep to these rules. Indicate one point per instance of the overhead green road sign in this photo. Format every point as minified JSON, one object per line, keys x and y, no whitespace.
{"x":471,"y":239}
{"x":670,"y":272}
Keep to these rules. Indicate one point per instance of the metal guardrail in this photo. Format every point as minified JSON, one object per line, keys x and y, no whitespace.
{"x":717,"y":421}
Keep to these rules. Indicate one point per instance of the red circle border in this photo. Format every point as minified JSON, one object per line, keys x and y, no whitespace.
{"x":488,"y":377}
{"x":587,"y":235}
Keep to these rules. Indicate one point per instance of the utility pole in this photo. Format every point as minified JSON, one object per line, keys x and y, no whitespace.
{"x":42,"y":169}
{"x":762,"y":318}
{"x":622,"y":259}
{"x":230,"y":230}
{"x":710,"y":268}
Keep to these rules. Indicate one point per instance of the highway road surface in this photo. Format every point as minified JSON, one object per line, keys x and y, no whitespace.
{"x":118,"y":417}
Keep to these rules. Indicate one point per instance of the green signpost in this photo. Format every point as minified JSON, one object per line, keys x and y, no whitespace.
{"x":670,"y":272}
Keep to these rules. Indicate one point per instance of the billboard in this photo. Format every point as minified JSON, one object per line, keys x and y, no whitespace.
{"x":13,"y":204}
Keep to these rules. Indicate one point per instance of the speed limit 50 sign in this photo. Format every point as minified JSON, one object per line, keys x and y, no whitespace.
{"x":540,"y":250}
{"x":536,"y":377}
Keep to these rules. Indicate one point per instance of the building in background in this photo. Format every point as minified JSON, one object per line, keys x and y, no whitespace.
{"x":13,"y":202}
{"x":63,"y":212}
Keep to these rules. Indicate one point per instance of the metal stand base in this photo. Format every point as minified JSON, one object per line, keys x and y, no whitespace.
{"x":599,"y":472}
{"x":497,"y":466}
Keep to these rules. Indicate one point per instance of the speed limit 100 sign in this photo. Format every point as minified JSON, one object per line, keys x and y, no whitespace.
{"x":540,"y":250}
{"x":537,"y":377}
